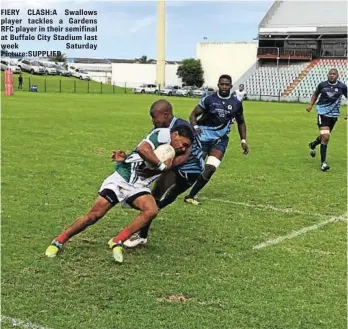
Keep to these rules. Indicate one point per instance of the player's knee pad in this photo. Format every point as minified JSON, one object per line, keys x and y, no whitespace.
{"x":213,"y":161}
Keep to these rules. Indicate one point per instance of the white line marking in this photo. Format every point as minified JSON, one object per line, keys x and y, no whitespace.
{"x":20,"y":323}
{"x":300,"y":232}
{"x":269,"y":207}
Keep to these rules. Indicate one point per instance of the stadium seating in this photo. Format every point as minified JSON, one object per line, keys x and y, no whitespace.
{"x":270,"y":80}
{"x":318,"y":73}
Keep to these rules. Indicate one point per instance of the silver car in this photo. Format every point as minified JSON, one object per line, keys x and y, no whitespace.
{"x":169,"y":90}
{"x":201,"y":92}
{"x":5,"y":64}
{"x":185,"y":91}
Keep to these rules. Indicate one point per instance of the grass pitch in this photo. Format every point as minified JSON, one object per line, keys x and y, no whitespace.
{"x":199,"y":270}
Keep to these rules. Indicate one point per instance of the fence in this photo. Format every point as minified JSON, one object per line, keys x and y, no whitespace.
{"x":67,"y":85}
{"x":296,"y":97}
{"x":73,"y":85}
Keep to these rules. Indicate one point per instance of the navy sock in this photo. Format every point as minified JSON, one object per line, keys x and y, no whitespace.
{"x":200,"y":183}
{"x":323,"y":149}
{"x":144,"y":232}
{"x":315,"y":143}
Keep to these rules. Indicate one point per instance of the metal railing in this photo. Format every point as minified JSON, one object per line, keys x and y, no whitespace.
{"x":284,"y":53}
{"x":295,"y":97}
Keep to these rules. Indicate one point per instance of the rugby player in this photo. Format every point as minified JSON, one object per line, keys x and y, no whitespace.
{"x":328,"y":111}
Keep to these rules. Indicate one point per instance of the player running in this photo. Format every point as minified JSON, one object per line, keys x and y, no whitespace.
{"x":216,"y":114}
{"x":328,"y":111}
{"x":125,"y":185}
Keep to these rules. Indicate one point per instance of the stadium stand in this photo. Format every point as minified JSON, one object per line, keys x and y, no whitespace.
{"x":318,"y":72}
{"x":299,"y":42}
{"x":272,"y":80}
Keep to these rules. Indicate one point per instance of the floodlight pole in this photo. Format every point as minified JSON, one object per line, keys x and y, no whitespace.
{"x":161,"y":43}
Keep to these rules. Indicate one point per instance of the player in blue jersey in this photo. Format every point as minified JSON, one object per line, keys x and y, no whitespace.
{"x":183,"y":175}
{"x":185,"y":169}
{"x":216,"y":113}
{"x":328,"y":111}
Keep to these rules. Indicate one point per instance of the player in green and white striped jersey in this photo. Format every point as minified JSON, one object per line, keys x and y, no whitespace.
{"x":125,"y":185}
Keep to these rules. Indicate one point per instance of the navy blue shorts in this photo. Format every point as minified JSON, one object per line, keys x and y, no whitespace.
{"x":220,"y":145}
{"x":324,"y":121}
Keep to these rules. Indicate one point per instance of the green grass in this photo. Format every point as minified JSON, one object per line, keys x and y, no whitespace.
{"x":51,"y":84}
{"x":55,"y":154}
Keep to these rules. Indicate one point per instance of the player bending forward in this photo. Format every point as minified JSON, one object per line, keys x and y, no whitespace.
{"x":124,"y":185}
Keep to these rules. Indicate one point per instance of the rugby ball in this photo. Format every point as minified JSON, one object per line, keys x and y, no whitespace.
{"x":163,"y":153}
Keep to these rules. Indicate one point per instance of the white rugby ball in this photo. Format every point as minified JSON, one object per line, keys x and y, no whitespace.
{"x":163,"y":153}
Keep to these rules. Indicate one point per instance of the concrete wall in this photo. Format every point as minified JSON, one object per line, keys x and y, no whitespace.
{"x":93,"y":67}
{"x":104,"y":77}
{"x":233,"y":58}
{"x":134,"y":75}
{"x":97,"y":72}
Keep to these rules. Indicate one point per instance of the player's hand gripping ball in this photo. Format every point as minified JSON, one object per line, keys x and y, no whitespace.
{"x":164,"y":153}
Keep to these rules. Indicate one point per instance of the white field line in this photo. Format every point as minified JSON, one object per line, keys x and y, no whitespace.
{"x":268,"y":207}
{"x":300,"y":232}
{"x":20,"y":323}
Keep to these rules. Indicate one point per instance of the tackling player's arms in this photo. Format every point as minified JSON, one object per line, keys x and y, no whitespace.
{"x":182,"y":158}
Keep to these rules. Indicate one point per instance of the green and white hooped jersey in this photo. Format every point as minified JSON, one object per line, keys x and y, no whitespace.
{"x":128,"y":168}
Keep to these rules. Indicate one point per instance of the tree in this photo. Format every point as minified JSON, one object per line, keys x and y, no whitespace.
{"x":143,"y":60}
{"x":191,"y":72}
{"x":61,"y":58}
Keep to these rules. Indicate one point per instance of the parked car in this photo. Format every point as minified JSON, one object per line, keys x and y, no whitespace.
{"x":146,"y":89}
{"x":6,"y":64}
{"x":81,"y":74}
{"x":30,"y":66}
{"x":49,"y":68}
{"x":62,"y":71}
{"x":169,"y":90}
{"x":202,"y":92}
{"x":185,"y":91}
